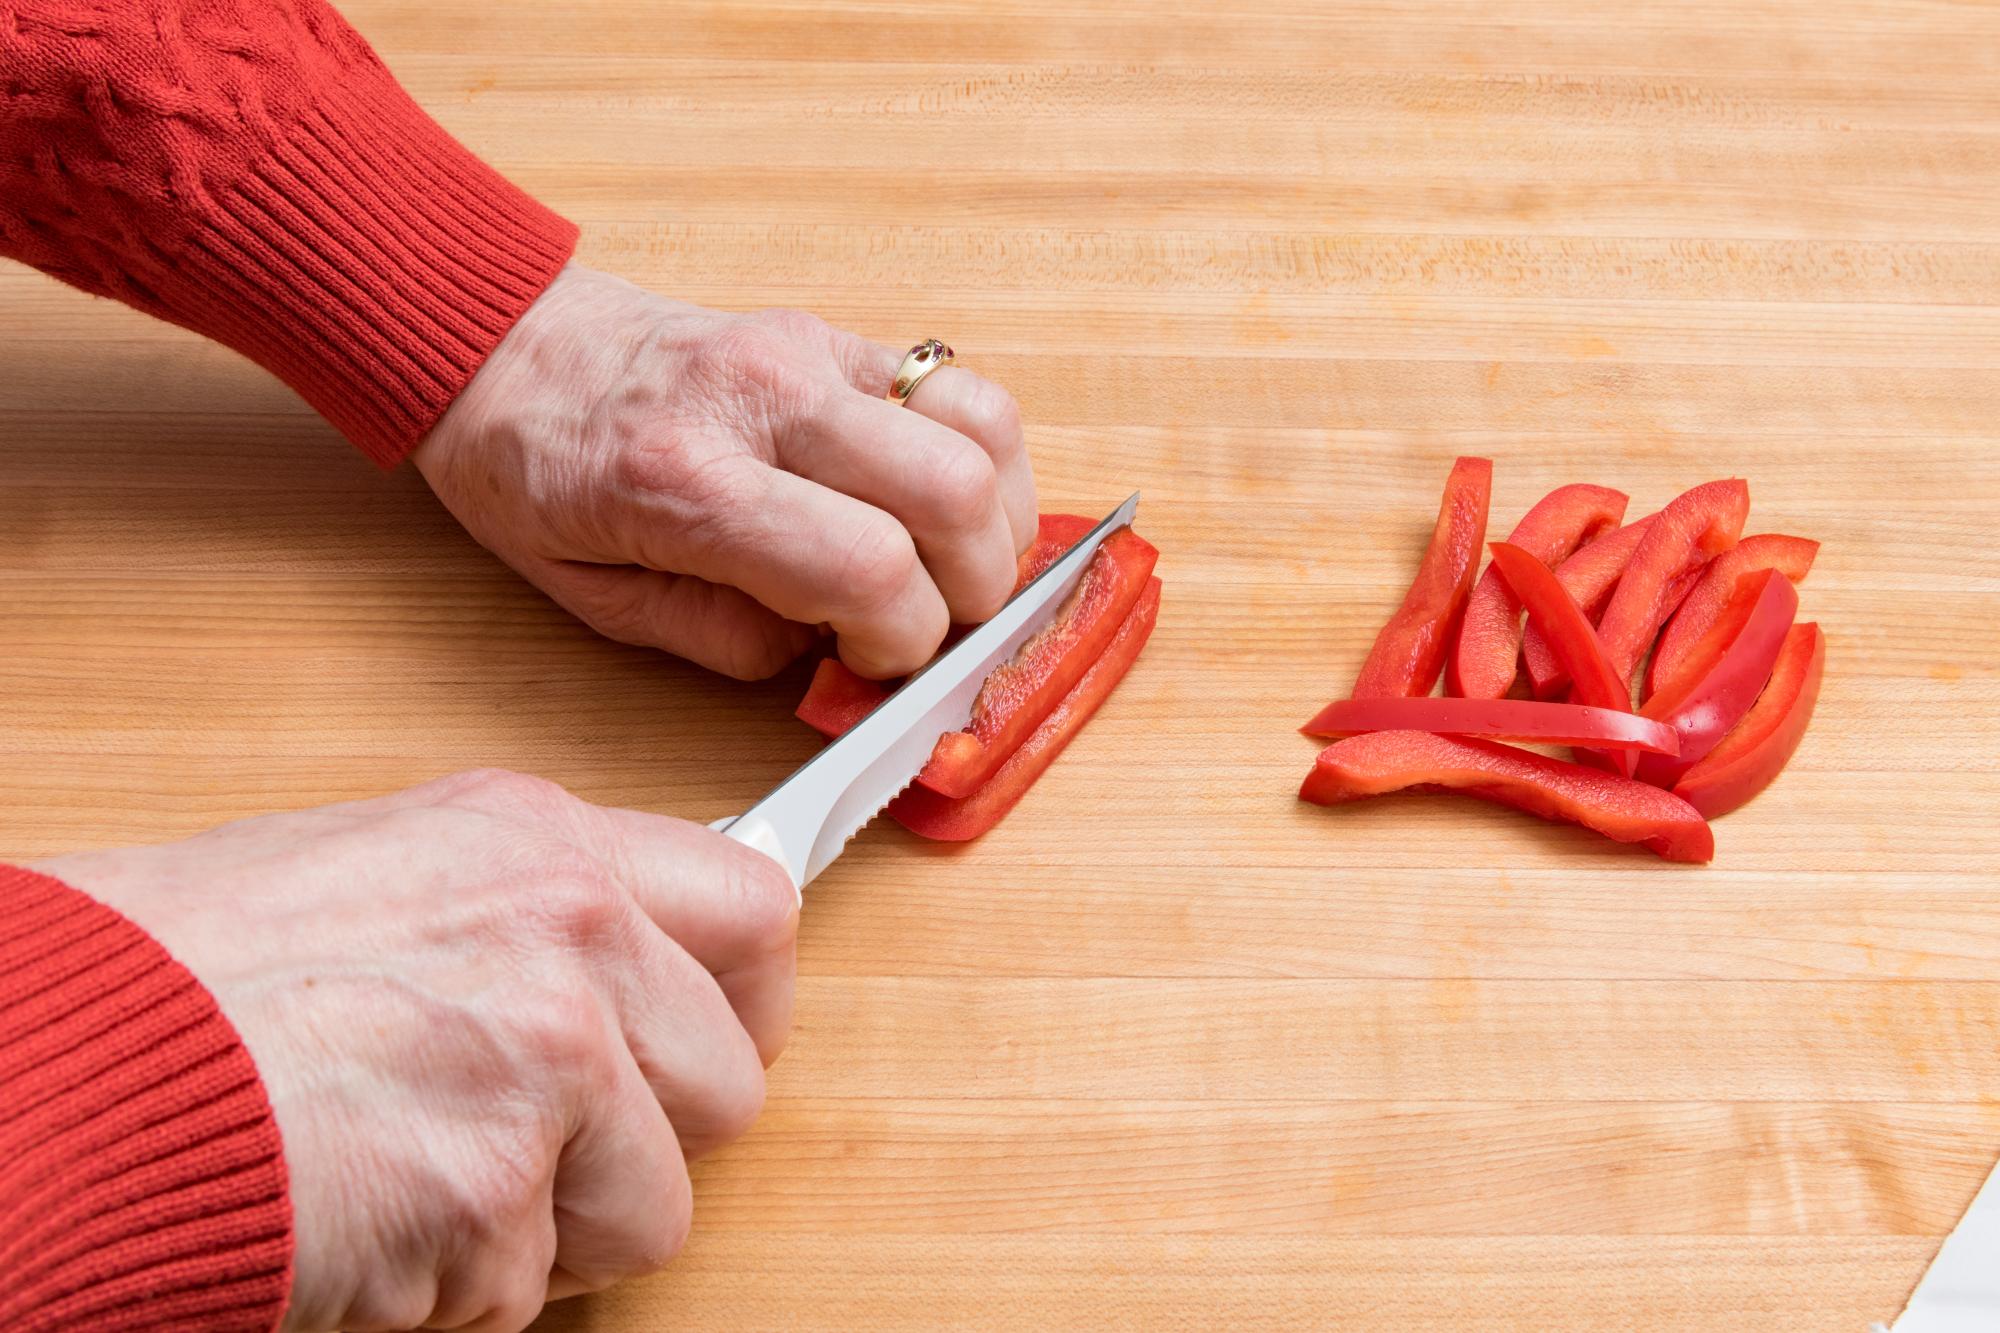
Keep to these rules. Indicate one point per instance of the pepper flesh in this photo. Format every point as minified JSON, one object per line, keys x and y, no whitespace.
{"x":1588,"y":577}
{"x":1410,"y":650}
{"x":1702,"y":522}
{"x":1498,"y":720}
{"x":1570,"y":636}
{"x":1619,"y":808}
{"x":1750,"y":757}
{"x":1485,"y":657}
{"x":845,"y":698}
{"x":1793,"y":556}
{"x":1725,"y":672}
{"x":1020,"y":693}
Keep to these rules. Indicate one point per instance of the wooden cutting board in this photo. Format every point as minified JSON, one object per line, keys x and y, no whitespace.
{"x":1170,"y":1047}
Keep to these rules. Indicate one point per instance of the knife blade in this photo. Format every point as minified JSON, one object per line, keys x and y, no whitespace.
{"x":807,"y":820}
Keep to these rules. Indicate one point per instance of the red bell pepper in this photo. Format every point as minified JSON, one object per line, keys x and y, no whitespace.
{"x":1705,"y":520}
{"x":1748,"y":758}
{"x":1569,"y":635}
{"x":1486,"y":656}
{"x":1724,"y":674}
{"x":1410,"y":650}
{"x":1019,"y":694}
{"x":1588,"y":577}
{"x":839,"y":699}
{"x":1498,"y":720}
{"x":1619,"y":808}
{"x":1793,"y":556}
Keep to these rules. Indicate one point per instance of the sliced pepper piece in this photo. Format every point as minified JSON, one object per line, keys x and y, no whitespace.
{"x":1020,"y":693}
{"x":1485,"y":657}
{"x":1696,"y":524}
{"x":846,"y":698}
{"x":1498,"y":720}
{"x":1748,"y":758}
{"x":1619,"y":808}
{"x":1588,"y":577}
{"x":1570,"y":636}
{"x":1725,"y":672}
{"x":1410,"y":650}
{"x":1793,"y":556}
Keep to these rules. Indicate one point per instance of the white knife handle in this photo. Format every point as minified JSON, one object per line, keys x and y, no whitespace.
{"x":756,"y":833}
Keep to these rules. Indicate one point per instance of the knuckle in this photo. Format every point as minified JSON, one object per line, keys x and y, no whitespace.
{"x":388,"y":1301}
{"x":746,"y":351}
{"x":880,"y":562}
{"x":998,"y":414}
{"x":755,"y":656}
{"x":562,"y":1028}
{"x":801,"y":325}
{"x":739,"y":1099}
{"x":578,"y":906}
{"x":768,"y":904}
{"x":965,"y":489}
{"x":506,"y":790}
{"x":675,"y":1219}
{"x":618,"y":608}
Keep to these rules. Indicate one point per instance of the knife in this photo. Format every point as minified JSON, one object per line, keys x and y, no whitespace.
{"x":808,"y":818}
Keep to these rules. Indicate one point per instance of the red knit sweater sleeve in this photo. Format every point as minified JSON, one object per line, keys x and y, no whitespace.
{"x":142,"y":1184}
{"x":251,"y":170}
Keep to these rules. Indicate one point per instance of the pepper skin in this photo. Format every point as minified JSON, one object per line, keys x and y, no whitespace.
{"x":1702,"y":522}
{"x":1498,"y":720}
{"x":1791,"y":555}
{"x":1751,"y":756}
{"x":1724,"y":673}
{"x":1619,"y":808}
{"x":839,"y":699}
{"x":1486,"y":655}
{"x":1410,"y":650}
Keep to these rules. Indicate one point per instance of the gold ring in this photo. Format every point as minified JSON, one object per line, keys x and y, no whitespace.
{"x":918,"y":362}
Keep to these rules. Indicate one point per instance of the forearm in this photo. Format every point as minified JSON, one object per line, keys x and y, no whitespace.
{"x":141,"y":1174}
{"x":255,"y":173}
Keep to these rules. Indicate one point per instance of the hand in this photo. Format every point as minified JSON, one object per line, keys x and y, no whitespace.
{"x":717,"y":485}
{"x":492,"y":1021}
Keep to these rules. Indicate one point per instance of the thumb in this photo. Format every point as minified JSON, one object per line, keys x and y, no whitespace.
{"x":710,"y":624}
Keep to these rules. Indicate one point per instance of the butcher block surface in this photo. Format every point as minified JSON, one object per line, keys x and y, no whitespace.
{"x":1168,"y":1046}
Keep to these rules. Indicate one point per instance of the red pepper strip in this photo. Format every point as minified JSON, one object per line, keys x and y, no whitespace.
{"x":1486,"y":655}
{"x":1619,"y":808}
{"x":1019,"y":694}
{"x":837,"y":698}
{"x":1793,"y":556}
{"x":929,"y":815}
{"x":1569,"y":635}
{"x":1410,"y":650}
{"x":1589,"y":577}
{"x":1749,"y":757}
{"x":1705,"y":520}
{"x":1498,"y":720}
{"x":1725,"y":672}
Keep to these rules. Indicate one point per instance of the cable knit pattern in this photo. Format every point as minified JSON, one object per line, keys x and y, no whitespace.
{"x":142,"y":1182}
{"x":252,"y":171}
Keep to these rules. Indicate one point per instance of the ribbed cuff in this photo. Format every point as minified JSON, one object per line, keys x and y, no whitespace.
{"x":371,"y":262}
{"x":142,"y":1180}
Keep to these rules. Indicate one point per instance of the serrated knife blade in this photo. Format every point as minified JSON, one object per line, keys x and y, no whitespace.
{"x":808,"y":818}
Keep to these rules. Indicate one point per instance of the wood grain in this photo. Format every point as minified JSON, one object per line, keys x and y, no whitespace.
{"x":1169,"y":1048}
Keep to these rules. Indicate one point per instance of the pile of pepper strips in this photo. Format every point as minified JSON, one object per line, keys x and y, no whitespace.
{"x":1028,"y":709}
{"x":1727,"y":691}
